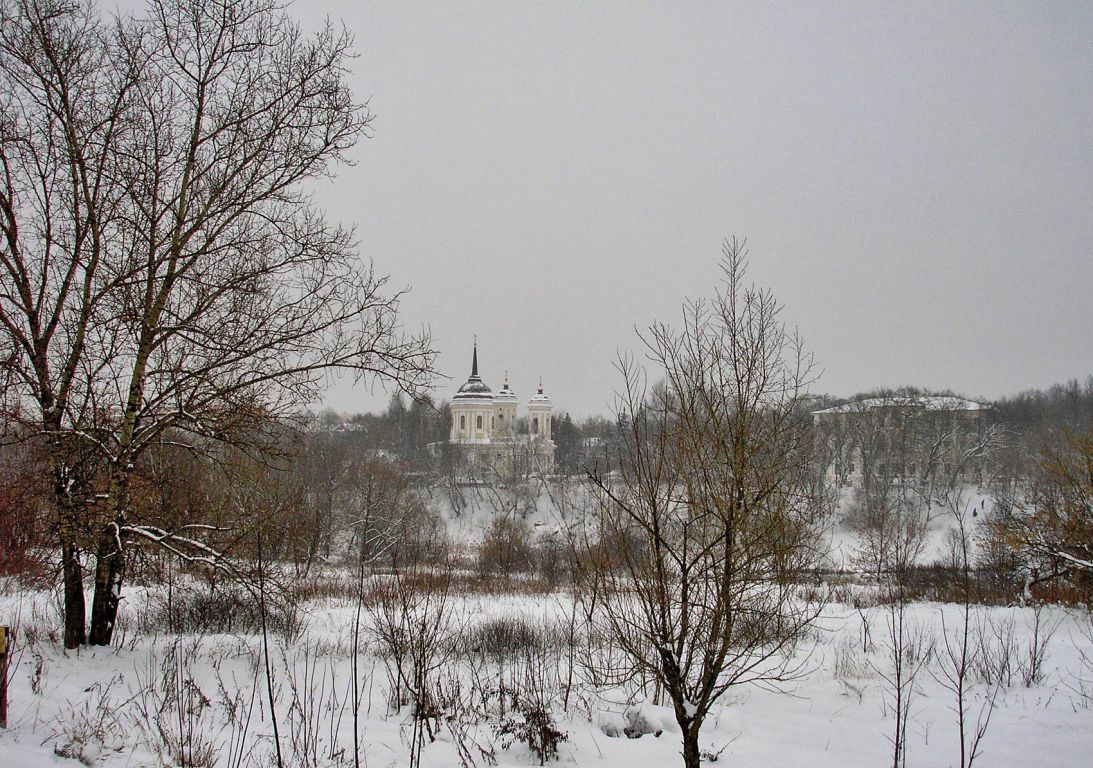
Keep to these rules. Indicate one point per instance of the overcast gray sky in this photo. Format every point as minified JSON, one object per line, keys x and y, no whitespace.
{"x":915,"y":182}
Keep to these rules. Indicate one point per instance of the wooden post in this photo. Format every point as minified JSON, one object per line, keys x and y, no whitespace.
{"x":5,"y":633}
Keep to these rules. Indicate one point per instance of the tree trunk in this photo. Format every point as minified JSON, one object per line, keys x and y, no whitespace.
{"x":691,"y":756}
{"x":75,"y":613}
{"x":110,"y":560}
{"x":109,"y":573}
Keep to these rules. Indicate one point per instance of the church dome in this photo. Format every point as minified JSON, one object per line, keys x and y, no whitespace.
{"x":474,"y":386}
{"x":474,"y":389}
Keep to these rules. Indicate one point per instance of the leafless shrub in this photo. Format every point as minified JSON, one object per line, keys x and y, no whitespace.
{"x":91,"y":726}
{"x":317,"y":701}
{"x":37,"y":672}
{"x":451,"y":579}
{"x":1081,"y":682}
{"x":328,"y":584}
{"x":44,"y":623}
{"x":712,"y":754}
{"x":212,"y":608}
{"x":533,"y":726}
{"x":839,"y":591}
{"x":994,"y":662}
{"x":415,"y":632}
{"x":890,"y":527}
{"x":462,"y":715}
{"x":908,"y":647}
{"x":1000,"y":565}
{"x":506,"y":548}
{"x":849,"y":660}
{"x":236,"y":701}
{"x":170,"y":709}
{"x":533,"y":693}
{"x":866,"y":631}
{"x":958,"y":649}
{"x":1034,"y":654}
{"x":555,"y":559}
{"x":956,"y":661}
{"x":503,"y":637}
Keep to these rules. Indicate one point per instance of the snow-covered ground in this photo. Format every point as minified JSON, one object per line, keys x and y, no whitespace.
{"x":117,"y":706}
{"x":546,"y":505}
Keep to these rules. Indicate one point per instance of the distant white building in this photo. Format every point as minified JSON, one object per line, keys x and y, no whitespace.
{"x":902,"y":404}
{"x":484,"y":428}
{"x":901,"y":436}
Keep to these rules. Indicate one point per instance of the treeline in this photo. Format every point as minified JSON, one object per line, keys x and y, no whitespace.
{"x":1042,"y":420}
{"x":405,"y":430}
{"x":307,"y":496}
{"x":372,"y":486}
{"x":1031,"y":421}
{"x":1022,"y":466}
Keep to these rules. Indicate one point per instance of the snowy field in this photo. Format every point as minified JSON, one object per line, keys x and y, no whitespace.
{"x":203,"y":698}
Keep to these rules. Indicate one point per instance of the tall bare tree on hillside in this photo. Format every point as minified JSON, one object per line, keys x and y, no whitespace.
{"x":210,"y":295}
{"x":710,"y":521}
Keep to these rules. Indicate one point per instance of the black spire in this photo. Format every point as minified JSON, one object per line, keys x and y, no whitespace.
{"x":475,"y":387}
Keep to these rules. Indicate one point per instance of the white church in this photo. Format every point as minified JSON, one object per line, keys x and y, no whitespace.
{"x":484,"y":429}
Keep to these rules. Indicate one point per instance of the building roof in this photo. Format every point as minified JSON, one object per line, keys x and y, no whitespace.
{"x":539,"y":400}
{"x":506,"y":395}
{"x":935,"y":403}
{"x":474,"y":388}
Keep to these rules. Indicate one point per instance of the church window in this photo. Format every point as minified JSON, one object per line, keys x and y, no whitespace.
{"x":478,"y":421}
{"x":535,"y":426}
{"x":462,"y":422}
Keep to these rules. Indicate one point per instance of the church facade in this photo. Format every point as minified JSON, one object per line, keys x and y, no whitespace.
{"x":484,"y":428}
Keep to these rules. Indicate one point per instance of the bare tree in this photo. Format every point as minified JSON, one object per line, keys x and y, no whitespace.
{"x":326,"y":461}
{"x":387,"y":519}
{"x":64,"y":88}
{"x":914,"y":465}
{"x":710,"y":517}
{"x":194,"y":291}
{"x":958,"y":650}
{"x":908,"y":647}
